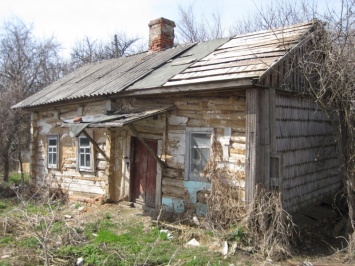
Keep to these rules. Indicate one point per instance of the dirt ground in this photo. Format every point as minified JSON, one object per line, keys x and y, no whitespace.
{"x":315,"y":245}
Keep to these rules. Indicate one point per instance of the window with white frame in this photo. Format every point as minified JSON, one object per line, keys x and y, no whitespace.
{"x":85,"y":155}
{"x":198,"y":144}
{"x":52,"y":151}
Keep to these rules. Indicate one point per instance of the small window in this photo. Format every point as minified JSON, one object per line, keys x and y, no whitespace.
{"x":52,"y":152}
{"x":199,"y":149}
{"x":84,"y":154}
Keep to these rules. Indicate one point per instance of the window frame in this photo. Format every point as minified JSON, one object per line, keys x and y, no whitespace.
{"x":89,"y":168}
{"x":51,"y":165}
{"x":189,"y":176}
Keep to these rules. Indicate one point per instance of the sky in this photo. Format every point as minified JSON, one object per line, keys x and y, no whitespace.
{"x":69,"y":21}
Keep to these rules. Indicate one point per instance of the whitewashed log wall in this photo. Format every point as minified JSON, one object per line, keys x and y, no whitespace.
{"x":211,"y":112}
{"x":66,"y":176}
{"x":309,"y":169}
{"x":111,"y":179}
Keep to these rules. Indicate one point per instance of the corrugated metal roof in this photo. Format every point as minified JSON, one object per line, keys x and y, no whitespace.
{"x":245,"y":56}
{"x":103,"y":78}
{"x":161,"y":75}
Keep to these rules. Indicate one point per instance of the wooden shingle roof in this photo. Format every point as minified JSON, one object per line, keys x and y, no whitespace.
{"x":244,"y":56}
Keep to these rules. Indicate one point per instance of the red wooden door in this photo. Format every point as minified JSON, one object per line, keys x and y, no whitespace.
{"x":144,"y":172}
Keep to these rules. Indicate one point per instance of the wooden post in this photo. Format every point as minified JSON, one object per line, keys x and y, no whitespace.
{"x":96,"y":146}
{"x":257,"y":140}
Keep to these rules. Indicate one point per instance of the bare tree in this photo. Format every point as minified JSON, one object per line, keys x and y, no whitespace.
{"x":330,"y":61}
{"x":279,"y":13}
{"x":26,"y":66}
{"x":89,"y":51}
{"x":191,"y":30}
{"x":326,"y":64}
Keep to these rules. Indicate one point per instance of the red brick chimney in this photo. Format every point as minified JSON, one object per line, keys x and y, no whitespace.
{"x":161,"y":34}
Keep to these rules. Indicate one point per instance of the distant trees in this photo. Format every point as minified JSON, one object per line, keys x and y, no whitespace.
{"x":89,"y":51}
{"x":189,"y":29}
{"x":278,"y":13}
{"x":27,"y":65}
{"x":329,"y":59}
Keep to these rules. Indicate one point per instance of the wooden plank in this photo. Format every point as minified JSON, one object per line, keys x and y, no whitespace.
{"x":96,"y":146}
{"x":271,"y":55}
{"x":245,"y":42}
{"x":136,"y":133}
{"x":218,"y":72}
{"x":279,"y":34}
{"x":248,"y":50}
{"x":257,"y":140}
{"x":191,"y":88}
{"x":214,"y":78}
{"x":264,"y":61}
{"x":261,"y":43}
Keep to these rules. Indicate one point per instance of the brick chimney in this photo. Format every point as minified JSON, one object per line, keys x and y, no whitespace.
{"x":161,"y":34}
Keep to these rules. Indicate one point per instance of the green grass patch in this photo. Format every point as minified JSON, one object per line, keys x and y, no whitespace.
{"x":29,"y":242}
{"x":106,"y":236}
{"x":2,"y":206}
{"x":58,"y":227}
{"x":237,"y":233}
{"x":15,"y":178}
{"x":137,"y":245}
{"x":6,"y":240}
{"x":35,"y":208}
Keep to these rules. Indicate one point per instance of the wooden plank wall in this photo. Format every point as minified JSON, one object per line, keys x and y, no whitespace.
{"x":308,"y":151}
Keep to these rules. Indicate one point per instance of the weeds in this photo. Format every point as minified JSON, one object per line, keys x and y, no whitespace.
{"x":271,"y":228}
{"x":39,"y":234}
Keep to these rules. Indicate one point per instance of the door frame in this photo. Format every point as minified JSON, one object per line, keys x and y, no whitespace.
{"x":158,"y":185}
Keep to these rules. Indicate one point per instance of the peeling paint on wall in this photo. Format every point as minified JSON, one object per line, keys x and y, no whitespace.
{"x":193,"y":187}
{"x":173,"y":204}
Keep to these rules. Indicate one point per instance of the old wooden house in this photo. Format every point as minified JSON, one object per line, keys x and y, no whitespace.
{"x":142,"y":127}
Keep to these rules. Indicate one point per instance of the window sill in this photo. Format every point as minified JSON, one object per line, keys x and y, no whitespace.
{"x":87,"y":170}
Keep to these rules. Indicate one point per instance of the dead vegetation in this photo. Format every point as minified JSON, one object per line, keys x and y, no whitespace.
{"x":270,"y":226}
{"x":225,"y":204}
{"x":263,"y":226}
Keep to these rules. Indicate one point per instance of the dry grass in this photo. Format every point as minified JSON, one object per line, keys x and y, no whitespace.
{"x":270,"y":227}
{"x":225,"y":203}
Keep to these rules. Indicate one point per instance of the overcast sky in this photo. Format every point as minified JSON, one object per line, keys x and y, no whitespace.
{"x":70,"y":20}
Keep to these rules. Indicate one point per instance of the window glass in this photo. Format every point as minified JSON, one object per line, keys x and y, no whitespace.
{"x":84,"y":141}
{"x":52,"y":151}
{"x":84,"y":153}
{"x":199,"y":148}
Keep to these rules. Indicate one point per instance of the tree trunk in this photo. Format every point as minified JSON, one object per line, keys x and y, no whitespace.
{"x":347,"y":171}
{"x":6,"y":165}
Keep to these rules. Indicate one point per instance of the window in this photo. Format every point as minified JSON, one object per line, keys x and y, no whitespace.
{"x":52,"y":152}
{"x":198,"y":143}
{"x":85,"y":154}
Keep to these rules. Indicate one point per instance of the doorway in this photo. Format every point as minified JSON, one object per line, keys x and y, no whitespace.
{"x":144,"y":173}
